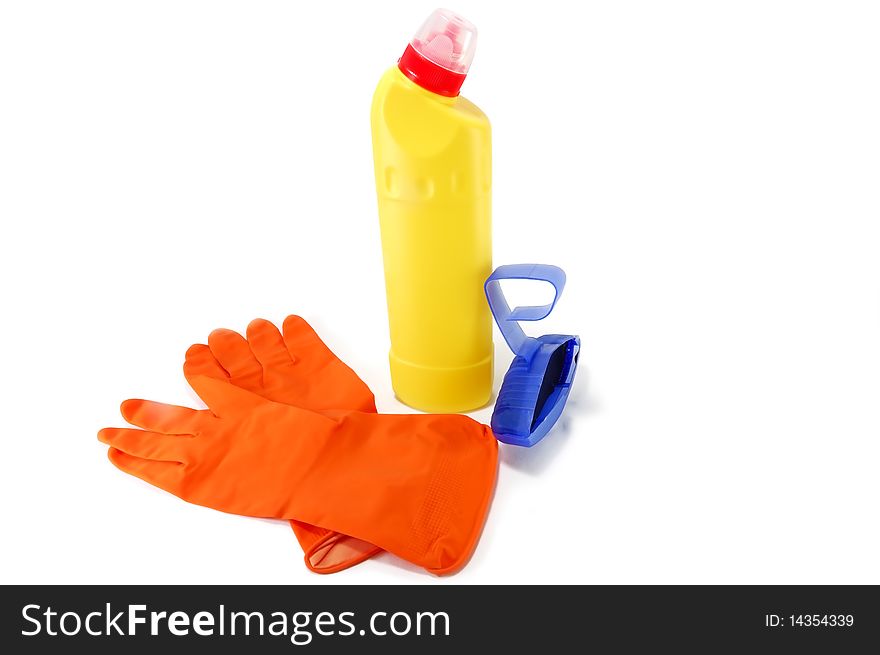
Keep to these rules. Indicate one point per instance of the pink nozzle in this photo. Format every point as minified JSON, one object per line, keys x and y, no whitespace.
{"x":447,"y":40}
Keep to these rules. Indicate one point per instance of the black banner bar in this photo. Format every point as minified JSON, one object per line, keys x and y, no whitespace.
{"x":435,"y":618}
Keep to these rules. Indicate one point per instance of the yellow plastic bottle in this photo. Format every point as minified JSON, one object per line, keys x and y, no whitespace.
{"x":432,"y":153}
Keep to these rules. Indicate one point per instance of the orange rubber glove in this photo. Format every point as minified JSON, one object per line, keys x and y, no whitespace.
{"x":416,"y":485}
{"x":298,"y":369}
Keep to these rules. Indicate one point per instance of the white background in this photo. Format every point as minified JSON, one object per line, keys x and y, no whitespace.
{"x":708,"y":174}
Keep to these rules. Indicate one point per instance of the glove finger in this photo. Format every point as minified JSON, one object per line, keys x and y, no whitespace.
{"x":165,"y":475}
{"x":300,"y":338}
{"x":226,"y":399}
{"x":267,"y":344}
{"x":234,"y":354}
{"x":167,"y":419}
{"x":200,"y":361}
{"x":147,"y":445}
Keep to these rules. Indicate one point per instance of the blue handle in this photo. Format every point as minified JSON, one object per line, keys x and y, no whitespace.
{"x":507,"y":318}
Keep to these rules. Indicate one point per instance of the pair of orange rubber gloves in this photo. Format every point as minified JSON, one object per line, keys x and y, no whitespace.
{"x":292,"y":433}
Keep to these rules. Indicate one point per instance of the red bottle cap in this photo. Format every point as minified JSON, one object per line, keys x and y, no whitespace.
{"x":440,"y":54}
